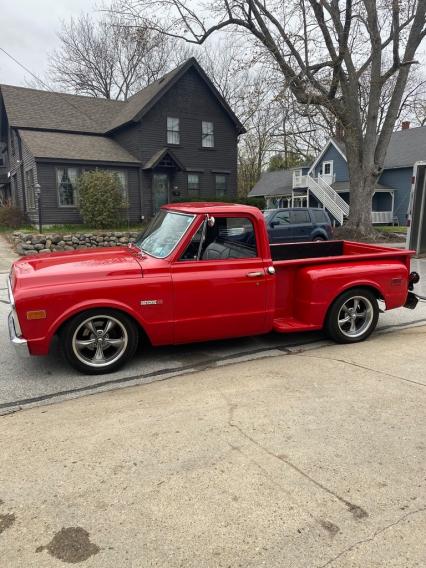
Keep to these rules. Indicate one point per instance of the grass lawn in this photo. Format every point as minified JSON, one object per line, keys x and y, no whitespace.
{"x":387,"y":229}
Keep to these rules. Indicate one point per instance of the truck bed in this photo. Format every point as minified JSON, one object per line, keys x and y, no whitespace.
{"x":300,"y":306}
{"x":326,"y":249}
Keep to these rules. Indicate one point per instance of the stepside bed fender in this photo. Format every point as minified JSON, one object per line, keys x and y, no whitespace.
{"x":319,"y":285}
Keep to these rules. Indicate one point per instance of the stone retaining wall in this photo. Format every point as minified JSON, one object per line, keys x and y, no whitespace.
{"x":29,"y":244}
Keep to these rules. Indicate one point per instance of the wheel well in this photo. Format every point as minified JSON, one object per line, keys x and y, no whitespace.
{"x":368,"y":287}
{"x":143,"y":336}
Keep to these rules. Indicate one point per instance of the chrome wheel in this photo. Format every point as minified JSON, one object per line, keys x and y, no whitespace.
{"x":355,"y":316}
{"x":100,"y":341}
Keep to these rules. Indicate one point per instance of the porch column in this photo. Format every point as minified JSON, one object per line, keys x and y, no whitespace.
{"x":307,"y":197}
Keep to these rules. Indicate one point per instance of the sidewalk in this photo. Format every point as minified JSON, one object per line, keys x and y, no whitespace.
{"x":7,"y":255}
{"x":306,"y":460}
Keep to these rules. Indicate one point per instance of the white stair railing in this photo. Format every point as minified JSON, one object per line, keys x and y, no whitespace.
{"x":329,"y":198}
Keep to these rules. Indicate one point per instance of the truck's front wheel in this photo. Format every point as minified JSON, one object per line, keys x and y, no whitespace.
{"x":353,"y":316}
{"x":99,"y":341}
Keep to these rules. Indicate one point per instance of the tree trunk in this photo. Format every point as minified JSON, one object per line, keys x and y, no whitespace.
{"x":362,"y":185}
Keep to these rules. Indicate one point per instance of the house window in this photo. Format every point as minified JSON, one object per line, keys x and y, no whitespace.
{"x":220,"y":185}
{"x":173,"y":131}
{"x":327,"y":168}
{"x":67,"y":186}
{"x":207,"y":134}
{"x":194,"y":185}
{"x":29,"y":189}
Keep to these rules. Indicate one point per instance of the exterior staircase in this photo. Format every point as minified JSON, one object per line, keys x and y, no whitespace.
{"x":330,"y":199}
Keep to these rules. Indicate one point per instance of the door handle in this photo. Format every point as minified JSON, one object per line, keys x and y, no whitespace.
{"x":254,"y":274}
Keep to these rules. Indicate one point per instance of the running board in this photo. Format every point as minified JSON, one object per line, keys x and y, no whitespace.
{"x":292,"y":325}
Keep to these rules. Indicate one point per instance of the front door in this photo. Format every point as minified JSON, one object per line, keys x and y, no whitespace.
{"x":222,"y":291}
{"x":160,"y":190}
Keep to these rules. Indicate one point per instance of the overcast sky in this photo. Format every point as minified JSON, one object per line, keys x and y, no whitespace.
{"x":28,"y":32}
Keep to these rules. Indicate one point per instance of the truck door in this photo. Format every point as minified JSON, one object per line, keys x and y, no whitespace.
{"x":219,"y":283}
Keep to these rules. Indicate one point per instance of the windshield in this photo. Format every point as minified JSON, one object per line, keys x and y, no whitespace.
{"x":163,"y":233}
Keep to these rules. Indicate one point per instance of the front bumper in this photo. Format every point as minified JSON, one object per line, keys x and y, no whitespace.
{"x":19,"y":343}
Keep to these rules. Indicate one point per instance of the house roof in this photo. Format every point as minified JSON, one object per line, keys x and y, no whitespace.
{"x":82,"y":147}
{"x":46,"y":110}
{"x":406,"y":147}
{"x":279,"y":182}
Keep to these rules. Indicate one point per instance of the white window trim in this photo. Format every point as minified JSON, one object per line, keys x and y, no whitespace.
{"x":330,"y":162}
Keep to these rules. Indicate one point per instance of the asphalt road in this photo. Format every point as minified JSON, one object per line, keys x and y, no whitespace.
{"x":44,"y":380}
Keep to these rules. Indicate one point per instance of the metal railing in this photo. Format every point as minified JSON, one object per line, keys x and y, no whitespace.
{"x":382,"y":217}
{"x":329,"y":198}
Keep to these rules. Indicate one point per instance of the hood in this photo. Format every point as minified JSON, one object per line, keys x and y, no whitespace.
{"x":88,"y":265}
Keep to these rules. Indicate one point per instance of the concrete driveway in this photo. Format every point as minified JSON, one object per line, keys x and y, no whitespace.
{"x":303,"y":460}
{"x":43,"y":380}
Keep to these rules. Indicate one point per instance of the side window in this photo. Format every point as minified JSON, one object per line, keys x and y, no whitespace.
{"x":298,"y":217}
{"x":282,"y":218}
{"x":319,"y":216}
{"x":229,"y":237}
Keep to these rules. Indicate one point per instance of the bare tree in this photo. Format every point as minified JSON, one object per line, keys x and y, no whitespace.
{"x":106,"y":59}
{"x":323,"y":51}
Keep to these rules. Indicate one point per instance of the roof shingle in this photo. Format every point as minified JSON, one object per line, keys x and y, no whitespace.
{"x":66,"y":146}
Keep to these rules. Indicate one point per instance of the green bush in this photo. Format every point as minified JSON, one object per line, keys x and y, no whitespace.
{"x":101,"y":199}
{"x":12,"y":217}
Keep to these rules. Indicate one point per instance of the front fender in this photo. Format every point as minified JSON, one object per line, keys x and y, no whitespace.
{"x":40,"y":346}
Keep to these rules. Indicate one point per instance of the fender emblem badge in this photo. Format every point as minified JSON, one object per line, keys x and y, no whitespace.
{"x":151,"y":302}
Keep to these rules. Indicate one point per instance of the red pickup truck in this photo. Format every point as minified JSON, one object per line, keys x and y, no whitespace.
{"x":200,"y":271}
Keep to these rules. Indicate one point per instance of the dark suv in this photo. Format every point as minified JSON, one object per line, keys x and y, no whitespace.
{"x":298,"y":224}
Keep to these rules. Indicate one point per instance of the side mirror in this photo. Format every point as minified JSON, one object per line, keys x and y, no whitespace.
{"x":273,"y":224}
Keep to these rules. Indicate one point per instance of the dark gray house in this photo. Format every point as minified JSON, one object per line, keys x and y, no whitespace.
{"x":176,"y":139}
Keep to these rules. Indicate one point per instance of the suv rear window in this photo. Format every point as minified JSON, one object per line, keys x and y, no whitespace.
{"x":319,"y":216}
{"x":298,"y":217}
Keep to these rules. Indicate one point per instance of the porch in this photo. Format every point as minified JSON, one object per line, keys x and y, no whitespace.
{"x":383,"y":203}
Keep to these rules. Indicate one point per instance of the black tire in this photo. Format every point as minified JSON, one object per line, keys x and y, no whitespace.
{"x":344,"y":307}
{"x":84,"y":349}
{"x":318,"y":239}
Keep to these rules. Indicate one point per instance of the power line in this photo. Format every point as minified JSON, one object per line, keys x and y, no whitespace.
{"x":46,"y":87}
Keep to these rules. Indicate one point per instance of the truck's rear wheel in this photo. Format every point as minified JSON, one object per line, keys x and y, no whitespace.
{"x":99,"y":341}
{"x":353,"y":316}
